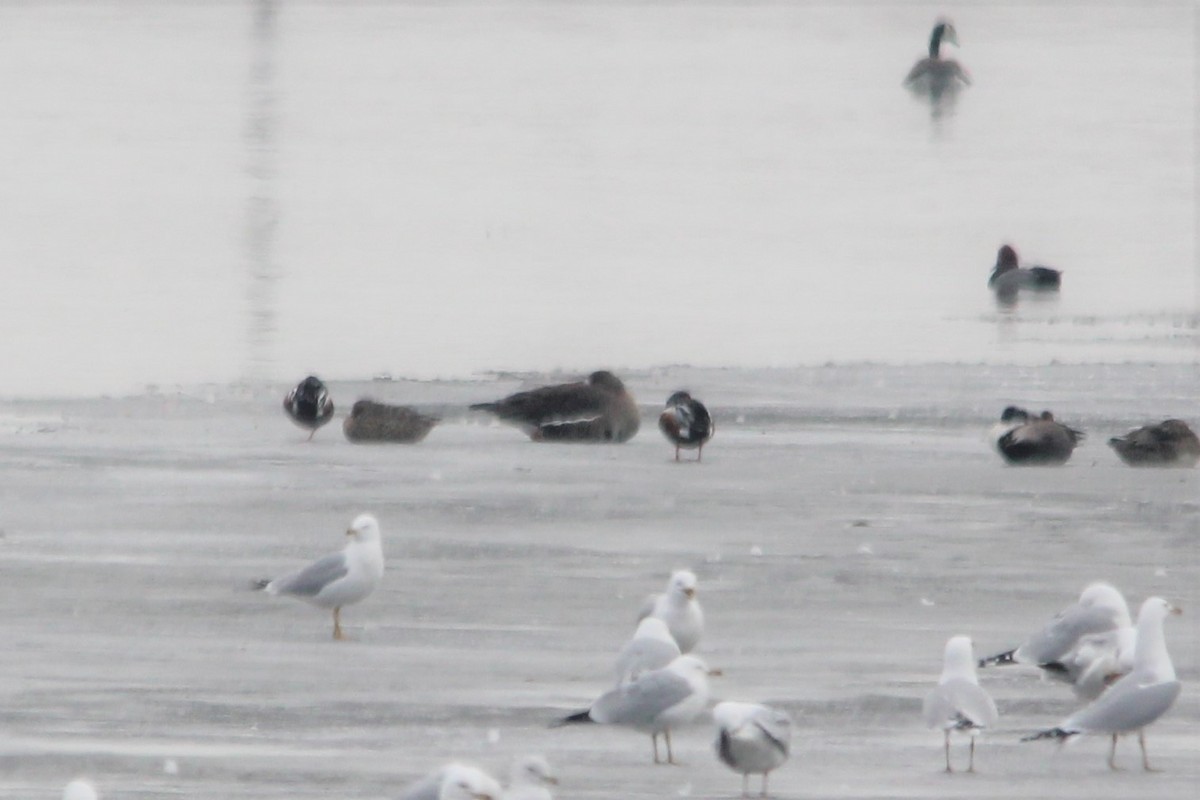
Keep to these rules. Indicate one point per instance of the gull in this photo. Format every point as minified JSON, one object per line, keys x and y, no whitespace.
{"x":958,"y":703}
{"x":338,"y":579}
{"x":530,"y":779}
{"x":309,"y":404}
{"x":1100,"y":608}
{"x":651,"y":647}
{"x":454,"y":781}
{"x":752,"y":738}
{"x":654,"y":703}
{"x":1136,"y":700}
{"x":679,"y":608}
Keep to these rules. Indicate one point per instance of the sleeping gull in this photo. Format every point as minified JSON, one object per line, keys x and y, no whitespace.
{"x":530,"y":779}
{"x":752,"y":738}
{"x":654,"y":703}
{"x":454,"y":781}
{"x":1136,"y":700}
{"x":958,"y":703}
{"x":338,"y":579}
{"x":1096,"y":661}
{"x":1100,"y":608}
{"x":679,"y":608}
{"x":79,"y":790}
{"x":651,"y":647}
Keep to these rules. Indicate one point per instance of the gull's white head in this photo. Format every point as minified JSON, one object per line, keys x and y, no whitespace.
{"x":461,"y":782}
{"x":1155,"y":610}
{"x":690,"y":667}
{"x":1106,"y":596}
{"x":79,"y":790}
{"x":682,"y":584}
{"x":654,"y":628}
{"x":532,"y":770}
{"x":959,"y":659}
{"x":365,"y":528}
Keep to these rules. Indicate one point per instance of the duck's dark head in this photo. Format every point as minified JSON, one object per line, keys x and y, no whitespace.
{"x":1047,"y":416}
{"x":1006,"y":259}
{"x":943,"y":31}
{"x":1014,"y":414}
{"x":311,"y":384}
{"x":606,"y":380}
{"x":679,"y":398}
{"x":360,"y":406}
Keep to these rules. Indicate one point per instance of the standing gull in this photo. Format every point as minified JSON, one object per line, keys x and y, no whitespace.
{"x":752,"y":738}
{"x":686,"y":423}
{"x":338,"y":579}
{"x":959,"y":703}
{"x":530,"y":779}
{"x":1100,"y":609}
{"x":651,"y":647}
{"x":309,"y":404}
{"x":654,"y":703}
{"x":598,"y":410}
{"x":1138,"y":699}
{"x":679,"y":608}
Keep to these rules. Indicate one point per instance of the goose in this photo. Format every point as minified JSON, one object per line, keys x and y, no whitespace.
{"x":599,"y":409}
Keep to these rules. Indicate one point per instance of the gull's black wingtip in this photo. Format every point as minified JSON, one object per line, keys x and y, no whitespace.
{"x":999,"y":660}
{"x":1049,"y":733}
{"x":577,"y":718}
{"x":260,"y":584}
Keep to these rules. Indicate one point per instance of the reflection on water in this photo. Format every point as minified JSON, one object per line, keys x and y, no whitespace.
{"x":196,"y":188}
{"x":262,"y":205}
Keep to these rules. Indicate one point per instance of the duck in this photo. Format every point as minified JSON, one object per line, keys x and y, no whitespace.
{"x":309,"y":404}
{"x":1170,"y":443}
{"x":370,"y":421}
{"x":598,"y":410}
{"x":1035,"y":441}
{"x":686,"y":423}
{"x":936,"y":76}
{"x":1008,"y":277}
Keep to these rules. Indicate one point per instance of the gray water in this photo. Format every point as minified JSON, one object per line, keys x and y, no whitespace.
{"x":252,"y":191}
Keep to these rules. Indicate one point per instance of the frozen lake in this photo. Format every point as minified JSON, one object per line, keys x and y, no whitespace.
{"x":209,"y":192}
{"x":844,"y":523}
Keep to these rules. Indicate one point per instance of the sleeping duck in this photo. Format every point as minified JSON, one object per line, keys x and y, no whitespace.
{"x":1168,"y":444}
{"x":686,"y":423}
{"x":1030,"y":440}
{"x":377,"y":422}
{"x":309,"y":404}
{"x":1008,"y":276}
{"x":936,"y":76}
{"x":600,"y":409}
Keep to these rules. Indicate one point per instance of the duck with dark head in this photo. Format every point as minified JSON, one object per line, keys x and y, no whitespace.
{"x":936,"y":77}
{"x":1009,"y":277}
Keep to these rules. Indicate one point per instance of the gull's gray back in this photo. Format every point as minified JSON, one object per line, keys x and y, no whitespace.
{"x":642,"y":655}
{"x":1126,"y":706}
{"x":959,"y":697}
{"x":309,"y":581}
{"x":1060,"y":635}
{"x":639,"y":703}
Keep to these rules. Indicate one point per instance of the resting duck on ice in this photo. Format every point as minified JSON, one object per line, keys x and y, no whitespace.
{"x":1170,"y":443}
{"x":1025,"y":439}
{"x":598,"y":410}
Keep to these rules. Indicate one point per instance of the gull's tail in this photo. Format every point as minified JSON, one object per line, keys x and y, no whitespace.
{"x":999,"y":660}
{"x":1058,"y":734}
{"x":577,"y":718}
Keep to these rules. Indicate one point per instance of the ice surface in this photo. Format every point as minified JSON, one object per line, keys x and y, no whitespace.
{"x":133,"y":526}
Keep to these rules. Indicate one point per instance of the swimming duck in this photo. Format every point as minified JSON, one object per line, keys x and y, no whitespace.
{"x":686,"y":423}
{"x":1008,"y":277}
{"x":309,"y":404}
{"x":1170,"y":443}
{"x":1040,"y":440}
{"x":598,"y":410}
{"x":936,"y":76}
{"x":377,"y":422}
